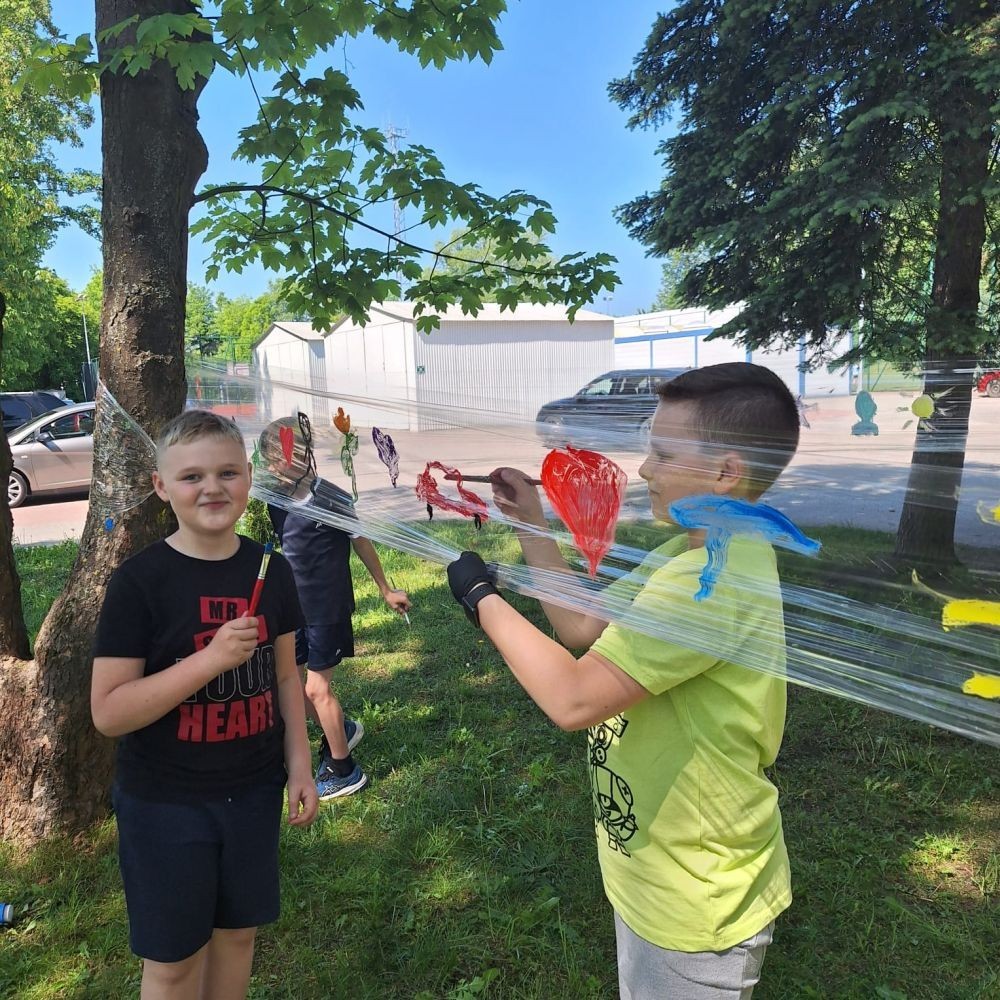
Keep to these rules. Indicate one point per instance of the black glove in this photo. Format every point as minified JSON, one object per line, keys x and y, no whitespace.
{"x":471,"y":580}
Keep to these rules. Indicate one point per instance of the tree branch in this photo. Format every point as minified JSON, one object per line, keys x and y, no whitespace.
{"x":264,"y":189}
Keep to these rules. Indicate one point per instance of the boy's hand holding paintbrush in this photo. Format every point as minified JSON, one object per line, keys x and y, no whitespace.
{"x":236,"y":640}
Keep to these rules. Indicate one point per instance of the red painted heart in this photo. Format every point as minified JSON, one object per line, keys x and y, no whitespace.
{"x":287,"y":437}
{"x":469,"y":506}
{"x":586,"y":491}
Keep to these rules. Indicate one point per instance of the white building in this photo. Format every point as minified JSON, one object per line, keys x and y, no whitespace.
{"x":678,"y":339}
{"x":487,"y":368}
{"x":290,"y":363}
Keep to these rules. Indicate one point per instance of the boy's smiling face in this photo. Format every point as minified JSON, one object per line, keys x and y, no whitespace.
{"x":207,"y":484}
{"x":680,"y":464}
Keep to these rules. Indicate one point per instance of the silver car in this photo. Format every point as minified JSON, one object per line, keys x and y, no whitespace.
{"x":52,"y":454}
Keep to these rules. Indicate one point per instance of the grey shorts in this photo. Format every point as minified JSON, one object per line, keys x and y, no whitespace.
{"x":648,"y":972}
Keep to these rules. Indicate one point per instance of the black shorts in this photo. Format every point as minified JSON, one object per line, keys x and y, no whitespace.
{"x":189,"y":867}
{"x":320,"y":647}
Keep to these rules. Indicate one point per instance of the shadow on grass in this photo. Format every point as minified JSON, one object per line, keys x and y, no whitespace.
{"x":472,"y":850}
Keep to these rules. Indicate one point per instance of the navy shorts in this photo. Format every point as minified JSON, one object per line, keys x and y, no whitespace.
{"x":320,"y":647}
{"x":189,"y":867}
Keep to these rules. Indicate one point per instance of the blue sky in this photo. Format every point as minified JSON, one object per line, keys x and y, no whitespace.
{"x":538,"y":118}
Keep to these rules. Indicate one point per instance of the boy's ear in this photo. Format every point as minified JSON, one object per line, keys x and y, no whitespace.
{"x":250,"y":471}
{"x":158,"y":487}
{"x":732,"y":469}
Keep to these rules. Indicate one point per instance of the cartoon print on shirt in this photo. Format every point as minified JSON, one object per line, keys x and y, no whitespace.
{"x":239,"y":702}
{"x":611,"y":792}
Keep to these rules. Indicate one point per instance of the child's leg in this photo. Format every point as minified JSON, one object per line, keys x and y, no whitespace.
{"x":648,"y":972}
{"x":173,"y":980}
{"x":226,"y":971}
{"x":328,"y":710}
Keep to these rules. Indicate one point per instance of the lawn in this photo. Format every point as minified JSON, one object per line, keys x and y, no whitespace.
{"x":468,"y":867}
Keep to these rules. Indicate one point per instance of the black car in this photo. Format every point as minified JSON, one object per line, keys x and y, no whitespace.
{"x":620,"y":403}
{"x":20,"y":407}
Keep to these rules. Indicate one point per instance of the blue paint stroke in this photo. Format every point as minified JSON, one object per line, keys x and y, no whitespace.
{"x":722,"y":517}
{"x":866,"y":408}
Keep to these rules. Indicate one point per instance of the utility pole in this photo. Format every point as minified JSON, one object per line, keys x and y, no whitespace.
{"x":86,"y":382}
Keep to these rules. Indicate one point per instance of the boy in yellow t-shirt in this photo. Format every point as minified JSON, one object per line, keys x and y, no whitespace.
{"x":689,"y":834}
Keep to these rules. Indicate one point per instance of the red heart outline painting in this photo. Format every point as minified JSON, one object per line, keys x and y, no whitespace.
{"x":586,"y":491}
{"x":470,"y":505}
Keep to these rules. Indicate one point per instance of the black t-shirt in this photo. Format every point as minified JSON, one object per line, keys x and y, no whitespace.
{"x":163,"y":606}
{"x":320,"y":557}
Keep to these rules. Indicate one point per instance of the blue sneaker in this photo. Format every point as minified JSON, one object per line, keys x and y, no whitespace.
{"x":353,"y":730}
{"x":331,"y":786}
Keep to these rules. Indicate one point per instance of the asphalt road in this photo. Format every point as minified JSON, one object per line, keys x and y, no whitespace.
{"x":835,"y":479}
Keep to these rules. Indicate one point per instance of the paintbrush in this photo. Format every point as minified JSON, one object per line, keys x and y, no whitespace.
{"x":258,"y":587}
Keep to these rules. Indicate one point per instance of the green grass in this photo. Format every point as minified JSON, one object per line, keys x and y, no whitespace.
{"x":43,"y":570}
{"x":468,"y":868}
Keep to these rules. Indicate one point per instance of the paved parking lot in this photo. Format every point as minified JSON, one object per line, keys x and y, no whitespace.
{"x":835,"y":479}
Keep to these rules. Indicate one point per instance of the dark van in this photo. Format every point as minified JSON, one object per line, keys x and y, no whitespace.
{"x":20,"y":407}
{"x":619,"y":403}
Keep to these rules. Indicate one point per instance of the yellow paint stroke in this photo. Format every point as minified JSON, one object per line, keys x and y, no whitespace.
{"x":923,"y":407}
{"x":982,"y":685}
{"x":991,"y":515}
{"x":957,"y":614}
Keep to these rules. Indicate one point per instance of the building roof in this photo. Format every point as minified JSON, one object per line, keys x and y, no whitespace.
{"x":491,"y":312}
{"x":304,"y":331}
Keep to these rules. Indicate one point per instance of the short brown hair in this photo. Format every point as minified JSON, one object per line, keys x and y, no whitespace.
{"x":745,"y":407}
{"x":192,"y":425}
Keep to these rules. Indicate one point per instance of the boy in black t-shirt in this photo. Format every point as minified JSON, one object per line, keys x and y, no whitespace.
{"x":208,"y":707}
{"x":320,"y":557}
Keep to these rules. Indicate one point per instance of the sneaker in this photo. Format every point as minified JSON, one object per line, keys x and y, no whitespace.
{"x":331,"y":786}
{"x":353,"y":730}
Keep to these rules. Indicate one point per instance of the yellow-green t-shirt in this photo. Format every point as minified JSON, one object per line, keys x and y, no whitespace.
{"x":688,"y":829}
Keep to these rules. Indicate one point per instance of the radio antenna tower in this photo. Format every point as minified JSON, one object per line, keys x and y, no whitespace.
{"x":394,"y":134}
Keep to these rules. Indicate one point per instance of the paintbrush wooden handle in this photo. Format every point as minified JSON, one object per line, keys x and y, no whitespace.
{"x":481,"y":479}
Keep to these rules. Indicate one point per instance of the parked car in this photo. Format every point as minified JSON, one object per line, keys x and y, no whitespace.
{"x":617,"y":402}
{"x":989,"y":384}
{"x":52,"y":454}
{"x":20,"y":407}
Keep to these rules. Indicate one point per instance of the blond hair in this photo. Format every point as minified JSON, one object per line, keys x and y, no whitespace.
{"x":193,"y":425}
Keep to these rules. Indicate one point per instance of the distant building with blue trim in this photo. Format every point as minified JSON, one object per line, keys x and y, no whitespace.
{"x":678,"y":338}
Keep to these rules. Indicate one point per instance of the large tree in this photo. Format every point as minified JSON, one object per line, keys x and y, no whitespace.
{"x":830,"y":156}
{"x":242,"y":321}
{"x":676,"y":264}
{"x":306,"y":215}
{"x":33,"y":206}
{"x":201,"y":335}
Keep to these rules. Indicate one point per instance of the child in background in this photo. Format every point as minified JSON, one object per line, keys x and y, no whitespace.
{"x":320,"y":557}
{"x":207,"y":705}
{"x":689,"y":834}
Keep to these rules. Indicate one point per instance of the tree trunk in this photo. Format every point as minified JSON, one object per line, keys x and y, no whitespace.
{"x":56,"y":769}
{"x":13,"y":635}
{"x":926,"y":532}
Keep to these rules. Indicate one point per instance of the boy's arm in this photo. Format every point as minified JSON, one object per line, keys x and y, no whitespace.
{"x":574,"y":694}
{"x":396,"y":599}
{"x":122,"y":700}
{"x":517,"y":497}
{"x":303,"y":800}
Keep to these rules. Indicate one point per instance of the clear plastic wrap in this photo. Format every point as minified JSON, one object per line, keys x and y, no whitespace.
{"x":856,"y":623}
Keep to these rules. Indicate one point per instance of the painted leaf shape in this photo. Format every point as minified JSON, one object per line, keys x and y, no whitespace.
{"x":586,"y":490}
{"x":470,"y":505}
{"x":387,"y":452}
{"x":342,"y":421}
{"x":287,"y":437}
